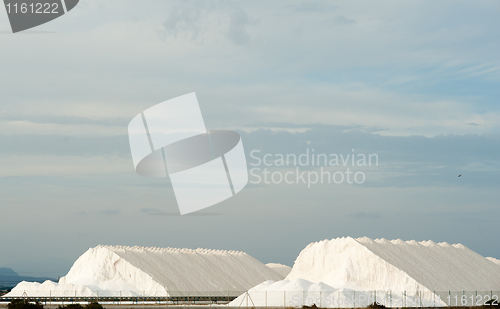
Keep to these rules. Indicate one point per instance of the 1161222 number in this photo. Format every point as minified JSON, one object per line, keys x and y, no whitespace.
{"x":33,"y":8}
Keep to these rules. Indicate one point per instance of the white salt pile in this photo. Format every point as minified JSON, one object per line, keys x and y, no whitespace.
{"x":137,"y":271}
{"x":391,"y":272}
{"x":395,"y":265}
{"x":50,"y":289}
{"x":281,"y":269}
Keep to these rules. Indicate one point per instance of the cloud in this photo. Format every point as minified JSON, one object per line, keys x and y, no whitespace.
{"x":159,"y":212}
{"x":237,"y":31}
{"x":155,"y":185}
{"x":151,"y":211}
{"x":106,"y":212}
{"x":416,"y":80}
{"x":61,"y":165}
{"x":413,"y":161}
{"x":365,"y":215}
{"x":110,"y":212}
{"x":65,"y":120}
{"x":204,"y":20}
{"x":185,"y":17}
{"x":48,"y":145}
{"x":314,"y":6}
{"x":404,"y":161}
{"x":342,"y":20}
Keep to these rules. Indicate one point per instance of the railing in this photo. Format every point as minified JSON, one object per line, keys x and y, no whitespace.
{"x":277,"y":299}
{"x":174,"y":297}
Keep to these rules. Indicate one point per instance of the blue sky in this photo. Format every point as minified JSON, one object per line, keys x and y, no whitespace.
{"x":417,"y":83}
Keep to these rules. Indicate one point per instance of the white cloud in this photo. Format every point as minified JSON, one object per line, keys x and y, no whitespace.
{"x":252,"y":62}
{"x":44,"y":165}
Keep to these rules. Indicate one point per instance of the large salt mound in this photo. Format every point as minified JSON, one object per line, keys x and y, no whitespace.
{"x":281,"y":269}
{"x":343,"y":271}
{"x":395,"y":265}
{"x":137,"y":271}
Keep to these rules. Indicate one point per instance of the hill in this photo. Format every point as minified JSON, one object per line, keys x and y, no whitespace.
{"x":9,"y":278}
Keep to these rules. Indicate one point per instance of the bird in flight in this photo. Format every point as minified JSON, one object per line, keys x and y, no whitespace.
{"x":460,"y":175}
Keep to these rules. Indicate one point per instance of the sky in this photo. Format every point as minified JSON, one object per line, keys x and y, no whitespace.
{"x":415,"y":83}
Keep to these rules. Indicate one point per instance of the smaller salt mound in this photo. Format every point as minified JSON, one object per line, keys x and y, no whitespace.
{"x":35,"y":289}
{"x":299,"y":292}
{"x":281,"y":269}
{"x":496,"y":261}
{"x":290,"y":293}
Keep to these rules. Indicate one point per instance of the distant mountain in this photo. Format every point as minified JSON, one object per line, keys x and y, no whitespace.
{"x":7,"y":272}
{"x":9,"y":278}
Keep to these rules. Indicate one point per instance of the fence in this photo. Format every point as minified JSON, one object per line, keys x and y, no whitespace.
{"x":361,"y":299}
{"x":274,"y":299}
